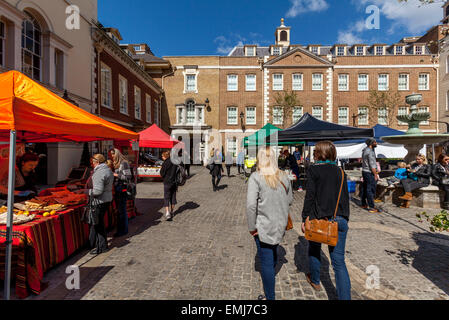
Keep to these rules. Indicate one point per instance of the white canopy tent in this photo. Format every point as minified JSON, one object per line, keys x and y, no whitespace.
{"x":383,"y":150}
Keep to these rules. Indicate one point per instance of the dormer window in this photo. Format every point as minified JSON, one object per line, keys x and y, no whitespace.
{"x":137,"y":48}
{"x":379,"y":51}
{"x":315,"y":50}
{"x":418,"y":49}
{"x":341,"y":51}
{"x":116,"y":40}
{"x":276,"y":51}
{"x":250,"y":51}
{"x":399,"y":50}
{"x":359,"y":51}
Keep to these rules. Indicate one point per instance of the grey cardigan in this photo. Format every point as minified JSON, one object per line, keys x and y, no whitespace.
{"x":102,"y":181}
{"x":267,"y":209}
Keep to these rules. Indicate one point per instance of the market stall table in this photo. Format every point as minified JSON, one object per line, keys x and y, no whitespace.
{"x":43,"y":243}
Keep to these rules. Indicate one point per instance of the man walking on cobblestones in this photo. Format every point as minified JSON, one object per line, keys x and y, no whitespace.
{"x":370,"y":175}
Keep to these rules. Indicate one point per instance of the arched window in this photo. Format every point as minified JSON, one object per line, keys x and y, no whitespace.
{"x":284,"y":35}
{"x":31,"y":48}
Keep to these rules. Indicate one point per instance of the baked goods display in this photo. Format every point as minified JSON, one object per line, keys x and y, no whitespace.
{"x":19,"y":217}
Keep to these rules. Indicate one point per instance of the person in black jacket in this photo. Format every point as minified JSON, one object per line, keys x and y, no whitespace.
{"x":440,"y":177}
{"x":418,"y":177}
{"x":324,"y":180}
{"x":168,"y":174}
{"x":292,"y":164}
{"x":216,"y":169}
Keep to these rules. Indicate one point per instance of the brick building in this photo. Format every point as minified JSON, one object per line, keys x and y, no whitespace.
{"x":125,"y":93}
{"x":332,"y":83}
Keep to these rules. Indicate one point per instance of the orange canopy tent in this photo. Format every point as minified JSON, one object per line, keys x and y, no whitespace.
{"x":31,"y":113}
{"x":155,"y":137}
{"x":39,"y":115}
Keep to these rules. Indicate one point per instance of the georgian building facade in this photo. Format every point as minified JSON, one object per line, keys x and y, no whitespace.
{"x":125,"y":93}
{"x":35,"y":40}
{"x":332,"y":83}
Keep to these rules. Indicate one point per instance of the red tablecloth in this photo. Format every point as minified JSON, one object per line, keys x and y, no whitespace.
{"x":45,"y":242}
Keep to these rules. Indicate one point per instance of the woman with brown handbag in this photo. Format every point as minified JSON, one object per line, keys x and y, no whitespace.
{"x":327,"y":197}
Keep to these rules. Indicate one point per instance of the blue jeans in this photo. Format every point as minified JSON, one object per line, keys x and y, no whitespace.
{"x":369,"y":189}
{"x":337,"y":254}
{"x":122,"y":223}
{"x":268,"y":256}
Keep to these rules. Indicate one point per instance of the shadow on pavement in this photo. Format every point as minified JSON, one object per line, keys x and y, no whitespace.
{"x":302,"y":264}
{"x":150,"y":216}
{"x":222,"y":187}
{"x":186,"y":206}
{"x":430,"y":259}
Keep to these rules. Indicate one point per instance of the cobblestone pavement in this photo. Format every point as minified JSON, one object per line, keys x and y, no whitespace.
{"x":207,"y":253}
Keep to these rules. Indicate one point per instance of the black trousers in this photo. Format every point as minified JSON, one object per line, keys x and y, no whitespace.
{"x":216,"y":181}
{"x":445,"y":188}
{"x":409,"y":185}
{"x":240,"y":167}
{"x":228,"y":169}
{"x":97,"y":234}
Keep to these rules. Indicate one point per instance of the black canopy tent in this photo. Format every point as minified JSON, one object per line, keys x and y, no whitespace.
{"x":309,"y":128}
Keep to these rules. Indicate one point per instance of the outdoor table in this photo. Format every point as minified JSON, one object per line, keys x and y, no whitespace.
{"x":43,"y":243}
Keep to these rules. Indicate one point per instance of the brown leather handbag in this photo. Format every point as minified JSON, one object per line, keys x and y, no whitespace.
{"x":323,"y":230}
{"x":289,"y":221}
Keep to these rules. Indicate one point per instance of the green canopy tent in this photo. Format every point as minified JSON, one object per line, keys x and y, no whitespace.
{"x":259,"y":138}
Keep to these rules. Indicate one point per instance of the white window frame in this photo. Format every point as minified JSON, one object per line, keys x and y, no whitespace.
{"x":320,"y":108}
{"x":231,"y":142}
{"x":180,"y":115}
{"x":298,"y":84}
{"x":396,"y":50}
{"x":320,"y":82}
{"x":187,"y":73}
{"x":246,"y":82}
{"x":416,"y":50}
{"x":236,"y":116}
{"x":357,"y":51}
{"x":199,"y":114}
{"x":247,"y":51}
{"x":340,"y":82}
{"x":380,"y":116}
{"x":359,"y":88}
{"x":137,"y":103}
{"x":340,"y":54}
{"x":278,"y":85}
{"x":278,"y":113}
{"x":346,"y":121}
{"x":106,"y":86}
{"x":193,"y":119}
{"x":301,"y":113}
{"x":315,"y":50}
{"x":362,"y":116}
{"x":427,"y":75}
{"x":123,"y":103}
{"x":387,"y":82}
{"x":276,"y":52}
{"x":408,"y":82}
{"x":254,"y":122}
{"x":376,"y":51}
{"x":405,"y":111}
{"x":424,"y":109}
{"x":148,"y":108}
{"x":230,"y":76}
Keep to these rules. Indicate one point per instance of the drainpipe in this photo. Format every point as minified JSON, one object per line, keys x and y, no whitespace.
{"x":168,"y":74}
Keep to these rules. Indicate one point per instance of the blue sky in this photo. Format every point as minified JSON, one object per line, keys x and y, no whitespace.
{"x":212,"y":27}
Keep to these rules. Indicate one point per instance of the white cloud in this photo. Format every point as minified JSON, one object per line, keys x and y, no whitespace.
{"x":303,"y":6}
{"x":352,"y":34}
{"x":225,"y":44}
{"x":412,"y":15}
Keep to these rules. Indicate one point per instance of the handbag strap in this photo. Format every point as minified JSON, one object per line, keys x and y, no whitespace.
{"x":339,"y":194}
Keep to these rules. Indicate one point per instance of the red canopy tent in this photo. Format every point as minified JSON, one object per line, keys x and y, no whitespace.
{"x":155,"y":137}
{"x":31,"y":113}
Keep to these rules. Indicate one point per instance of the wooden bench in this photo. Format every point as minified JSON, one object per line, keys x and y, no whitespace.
{"x":427,"y":197}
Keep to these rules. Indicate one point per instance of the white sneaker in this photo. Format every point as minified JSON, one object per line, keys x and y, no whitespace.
{"x":167,"y":216}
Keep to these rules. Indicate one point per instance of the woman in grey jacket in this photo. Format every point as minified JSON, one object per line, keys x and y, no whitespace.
{"x":100,"y":190}
{"x":122,"y":176}
{"x":268,"y":201}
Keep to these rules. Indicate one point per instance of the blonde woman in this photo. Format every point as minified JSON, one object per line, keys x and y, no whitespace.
{"x":418,"y":177}
{"x":268,"y":200}
{"x":122,"y":176}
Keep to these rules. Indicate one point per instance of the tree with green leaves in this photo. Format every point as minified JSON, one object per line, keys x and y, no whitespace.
{"x":287,"y":101}
{"x":386,"y":102}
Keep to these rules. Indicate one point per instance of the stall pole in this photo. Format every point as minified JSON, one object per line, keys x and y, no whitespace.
{"x":11,"y":187}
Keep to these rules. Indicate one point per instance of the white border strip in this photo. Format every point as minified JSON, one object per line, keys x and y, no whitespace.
{"x":222,"y":67}
{"x":389,"y":66}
